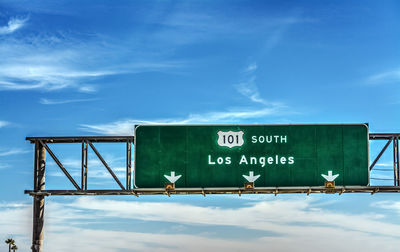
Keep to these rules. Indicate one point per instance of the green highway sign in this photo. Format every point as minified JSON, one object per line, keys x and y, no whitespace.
{"x":221,"y":156}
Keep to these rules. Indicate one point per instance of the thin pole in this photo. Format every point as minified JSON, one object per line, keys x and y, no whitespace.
{"x":84,"y":165}
{"x":396,"y":175}
{"x":397,"y":160}
{"x":128,"y":165}
{"x":38,"y":200}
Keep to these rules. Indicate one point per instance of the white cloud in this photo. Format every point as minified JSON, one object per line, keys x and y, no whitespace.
{"x":4,"y":123}
{"x":54,"y":62}
{"x":284,"y":217}
{"x":389,"y":205}
{"x":251,"y":68}
{"x":281,"y":225}
{"x":329,"y":240}
{"x":46,"y":101}
{"x":39,"y":75}
{"x":87,"y":89}
{"x":13,"y":152}
{"x":13,"y":25}
{"x":27,"y":76}
{"x":388,"y":164}
{"x":249,"y":89}
{"x":126,"y":127}
{"x":4,"y":166}
{"x":385,"y":77}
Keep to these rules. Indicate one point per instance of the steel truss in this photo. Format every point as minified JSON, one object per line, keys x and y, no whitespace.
{"x":42,"y":147}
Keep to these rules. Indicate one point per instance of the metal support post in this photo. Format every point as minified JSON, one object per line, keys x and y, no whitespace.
{"x":84,"y":165}
{"x":396,"y":160}
{"x":398,"y":157}
{"x":38,"y":200}
{"x":128,"y":165}
{"x":395,"y":174}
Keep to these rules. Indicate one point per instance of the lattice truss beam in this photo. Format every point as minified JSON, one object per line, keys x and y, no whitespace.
{"x":42,"y":144}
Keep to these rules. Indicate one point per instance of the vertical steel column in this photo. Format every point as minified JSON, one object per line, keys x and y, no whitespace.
{"x":396,"y":155}
{"x":84,"y":165}
{"x":128,"y":165}
{"x":38,"y":201}
{"x":396,"y":175}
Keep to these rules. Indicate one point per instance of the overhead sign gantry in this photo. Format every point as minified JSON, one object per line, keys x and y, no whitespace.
{"x":224,"y":159}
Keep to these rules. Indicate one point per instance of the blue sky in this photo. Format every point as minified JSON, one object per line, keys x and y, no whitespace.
{"x":100,"y":67}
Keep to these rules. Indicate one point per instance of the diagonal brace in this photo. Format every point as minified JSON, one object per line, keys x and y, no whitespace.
{"x":60,"y":165}
{"x":106,"y":165}
{"x":380,"y":154}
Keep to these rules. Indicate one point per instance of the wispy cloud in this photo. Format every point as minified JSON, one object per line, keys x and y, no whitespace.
{"x":34,"y":74}
{"x":4,"y":123}
{"x":26,"y":76}
{"x":13,"y":152}
{"x":4,"y":166}
{"x":54,"y":62}
{"x":249,"y":89}
{"x":126,"y":127}
{"x":13,"y":25}
{"x":389,"y":205}
{"x":388,"y":164}
{"x":392,"y":76}
{"x":46,"y":101}
{"x":185,"y":25}
{"x":251,"y":68}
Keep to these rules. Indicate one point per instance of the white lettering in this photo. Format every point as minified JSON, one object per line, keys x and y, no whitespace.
{"x":243,"y":160}
{"x":262,"y":161}
{"x":210,"y":161}
{"x":268,"y":139}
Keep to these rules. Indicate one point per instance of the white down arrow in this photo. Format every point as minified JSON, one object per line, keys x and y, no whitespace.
{"x":251,"y":177}
{"x":330,"y":177}
{"x":172,"y":178}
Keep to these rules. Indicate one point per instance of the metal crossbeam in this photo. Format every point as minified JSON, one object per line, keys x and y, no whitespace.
{"x":79,"y":139}
{"x":394,"y":139}
{"x":242,"y":190}
{"x":106,"y":165}
{"x":60,"y":165}
{"x":382,"y":136}
{"x":380,"y":154}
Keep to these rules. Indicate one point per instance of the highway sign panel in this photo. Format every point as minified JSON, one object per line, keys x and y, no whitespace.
{"x":221,"y":156}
